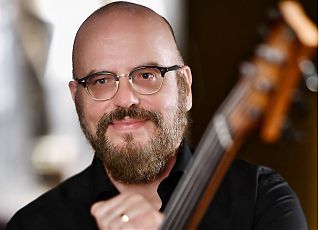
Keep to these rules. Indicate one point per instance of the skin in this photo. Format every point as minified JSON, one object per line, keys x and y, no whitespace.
{"x":125,"y":42}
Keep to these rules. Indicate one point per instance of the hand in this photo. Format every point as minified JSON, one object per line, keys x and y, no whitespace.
{"x":141,"y":214}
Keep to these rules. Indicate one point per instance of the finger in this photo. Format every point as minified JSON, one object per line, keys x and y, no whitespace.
{"x":101,"y":207}
{"x":145,"y":216}
{"x":141,"y":214}
{"x":109,"y":212}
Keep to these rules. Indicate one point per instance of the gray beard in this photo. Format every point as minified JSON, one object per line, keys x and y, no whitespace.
{"x":132,"y":162}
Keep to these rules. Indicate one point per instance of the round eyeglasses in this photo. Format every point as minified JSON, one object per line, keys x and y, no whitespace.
{"x":104,"y":85}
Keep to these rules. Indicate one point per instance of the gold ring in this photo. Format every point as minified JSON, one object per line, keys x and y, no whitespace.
{"x":124,"y":218}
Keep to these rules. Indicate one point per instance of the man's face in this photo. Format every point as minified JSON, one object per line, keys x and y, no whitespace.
{"x":133,"y":134}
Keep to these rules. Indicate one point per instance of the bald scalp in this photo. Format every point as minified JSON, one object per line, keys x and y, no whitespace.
{"x":115,"y":10}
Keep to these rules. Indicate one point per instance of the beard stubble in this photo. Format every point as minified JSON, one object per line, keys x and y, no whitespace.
{"x":133,"y":162}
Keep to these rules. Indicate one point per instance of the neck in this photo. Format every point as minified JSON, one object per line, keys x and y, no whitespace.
{"x":148,"y":191}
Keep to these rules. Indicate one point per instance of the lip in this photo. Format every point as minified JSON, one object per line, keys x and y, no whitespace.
{"x":127,"y":124}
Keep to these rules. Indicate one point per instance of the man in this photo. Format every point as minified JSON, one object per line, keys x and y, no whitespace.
{"x":132,"y":92}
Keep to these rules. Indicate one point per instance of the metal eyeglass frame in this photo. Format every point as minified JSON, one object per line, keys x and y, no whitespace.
{"x":163,"y":70}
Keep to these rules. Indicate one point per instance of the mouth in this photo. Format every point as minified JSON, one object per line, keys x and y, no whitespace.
{"x":128,"y":121}
{"x":128,"y":124}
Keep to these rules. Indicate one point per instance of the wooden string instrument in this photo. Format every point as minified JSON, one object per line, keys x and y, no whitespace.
{"x":267,"y":75}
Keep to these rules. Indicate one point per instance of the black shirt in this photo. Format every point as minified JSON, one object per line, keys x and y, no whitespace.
{"x":250,"y":197}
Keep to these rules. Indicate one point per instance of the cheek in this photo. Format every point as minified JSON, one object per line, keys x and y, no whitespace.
{"x":166,"y":101}
{"x":92,"y":118}
{"x":92,"y":111}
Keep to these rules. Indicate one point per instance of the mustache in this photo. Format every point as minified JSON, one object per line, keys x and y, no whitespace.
{"x":132,"y":112}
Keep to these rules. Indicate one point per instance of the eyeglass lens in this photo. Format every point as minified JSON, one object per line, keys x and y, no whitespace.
{"x":144,"y":80}
{"x":102,"y":86}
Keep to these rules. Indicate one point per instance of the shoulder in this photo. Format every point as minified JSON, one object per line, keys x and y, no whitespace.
{"x":254,"y":197}
{"x":57,"y":202}
{"x":256,"y":177}
{"x":274,"y":203}
{"x":263,"y":180}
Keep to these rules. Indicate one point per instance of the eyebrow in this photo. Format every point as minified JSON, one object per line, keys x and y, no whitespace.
{"x":150,"y":64}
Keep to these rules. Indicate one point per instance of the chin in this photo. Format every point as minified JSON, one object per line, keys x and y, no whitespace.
{"x":129,"y":139}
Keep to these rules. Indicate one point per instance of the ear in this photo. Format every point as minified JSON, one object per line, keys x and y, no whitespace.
{"x":187,"y":75}
{"x":73,"y":86}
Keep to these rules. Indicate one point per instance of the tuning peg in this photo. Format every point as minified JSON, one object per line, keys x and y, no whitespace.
{"x":309,"y":73}
{"x":270,"y":54}
{"x":248,"y":69}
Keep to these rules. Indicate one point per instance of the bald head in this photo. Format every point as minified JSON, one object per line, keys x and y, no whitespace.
{"x":116,"y":8}
{"x":123,"y":30}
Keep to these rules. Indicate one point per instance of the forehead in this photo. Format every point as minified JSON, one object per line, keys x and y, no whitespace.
{"x":122,"y":39}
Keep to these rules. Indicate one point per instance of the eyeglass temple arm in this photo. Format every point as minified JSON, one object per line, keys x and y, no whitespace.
{"x":164,"y":70}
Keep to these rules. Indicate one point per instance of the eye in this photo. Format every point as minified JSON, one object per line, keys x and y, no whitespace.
{"x":102,"y":79}
{"x":147,"y":75}
{"x":99,"y":81}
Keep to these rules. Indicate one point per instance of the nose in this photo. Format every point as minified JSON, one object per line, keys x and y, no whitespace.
{"x":126,"y":95}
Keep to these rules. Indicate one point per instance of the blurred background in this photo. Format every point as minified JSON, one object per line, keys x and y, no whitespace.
{"x":40,"y":139}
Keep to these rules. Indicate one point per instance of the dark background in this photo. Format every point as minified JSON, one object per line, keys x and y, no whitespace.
{"x":221,"y":35}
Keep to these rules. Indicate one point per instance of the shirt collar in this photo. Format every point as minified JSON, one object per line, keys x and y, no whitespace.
{"x":100,"y":184}
{"x":184,"y":155}
{"x":102,"y":188}
{"x":168,"y":185}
